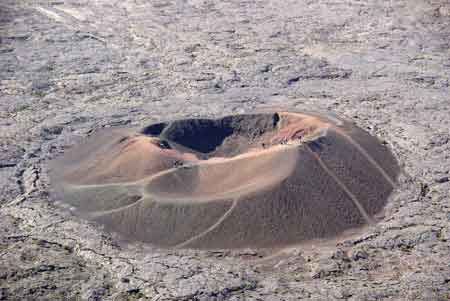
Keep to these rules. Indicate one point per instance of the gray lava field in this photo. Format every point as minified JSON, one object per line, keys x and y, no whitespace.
{"x":69,"y":68}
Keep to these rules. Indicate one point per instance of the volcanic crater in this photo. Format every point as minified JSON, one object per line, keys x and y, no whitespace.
{"x":259,"y":180}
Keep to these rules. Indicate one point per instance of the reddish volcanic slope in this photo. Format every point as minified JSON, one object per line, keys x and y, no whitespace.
{"x":253,"y":180}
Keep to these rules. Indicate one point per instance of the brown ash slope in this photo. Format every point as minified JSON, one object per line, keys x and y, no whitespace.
{"x":265,"y":180}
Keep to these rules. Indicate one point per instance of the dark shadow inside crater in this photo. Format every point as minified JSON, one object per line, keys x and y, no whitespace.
{"x":215,"y":137}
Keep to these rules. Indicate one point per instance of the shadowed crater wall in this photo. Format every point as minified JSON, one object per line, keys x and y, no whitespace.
{"x":252,"y":180}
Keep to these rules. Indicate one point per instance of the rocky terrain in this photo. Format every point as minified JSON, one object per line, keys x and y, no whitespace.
{"x":68,"y":68}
